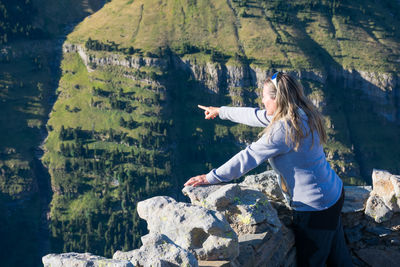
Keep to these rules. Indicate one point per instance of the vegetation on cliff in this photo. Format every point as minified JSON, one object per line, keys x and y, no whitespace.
{"x":28,"y":74}
{"x":274,"y":34}
{"x":120,"y":134}
{"x":300,"y":35}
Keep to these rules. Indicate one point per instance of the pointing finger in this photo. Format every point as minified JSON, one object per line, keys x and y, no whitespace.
{"x":202,"y":107}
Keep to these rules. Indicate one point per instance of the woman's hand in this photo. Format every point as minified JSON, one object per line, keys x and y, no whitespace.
{"x":210,"y":112}
{"x":197,"y":180}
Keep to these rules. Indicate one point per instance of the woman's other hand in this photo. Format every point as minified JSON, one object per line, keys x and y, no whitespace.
{"x":197,"y":180}
{"x":210,"y":112}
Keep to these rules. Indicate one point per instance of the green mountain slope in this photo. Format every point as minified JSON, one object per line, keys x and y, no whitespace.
{"x":29,"y":58}
{"x":354,"y":34}
{"x":126,"y":127}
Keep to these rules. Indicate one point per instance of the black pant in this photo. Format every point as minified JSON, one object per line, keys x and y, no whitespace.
{"x":320,"y":238}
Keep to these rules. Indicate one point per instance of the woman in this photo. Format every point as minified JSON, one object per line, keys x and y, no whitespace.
{"x":292,"y":143}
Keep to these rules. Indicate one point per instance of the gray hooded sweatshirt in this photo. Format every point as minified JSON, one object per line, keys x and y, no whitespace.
{"x":306,"y":178}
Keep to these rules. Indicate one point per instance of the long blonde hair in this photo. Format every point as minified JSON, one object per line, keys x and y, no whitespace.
{"x":289,"y":96}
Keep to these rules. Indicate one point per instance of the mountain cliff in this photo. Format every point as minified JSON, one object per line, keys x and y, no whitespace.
{"x":31,"y":37}
{"x":125,"y":119}
{"x":249,"y":224}
{"x":123,"y":125}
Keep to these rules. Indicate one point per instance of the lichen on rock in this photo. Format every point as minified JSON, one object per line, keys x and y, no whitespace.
{"x":204,"y":232}
{"x":384,"y":199}
{"x":158,"y":249}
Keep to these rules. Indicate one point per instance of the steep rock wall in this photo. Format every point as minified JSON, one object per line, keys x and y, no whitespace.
{"x":383,"y":89}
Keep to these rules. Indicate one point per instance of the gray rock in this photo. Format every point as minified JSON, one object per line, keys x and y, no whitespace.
{"x":278,"y":251}
{"x":267,"y":249}
{"x":384,"y":199}
{"x":224,"y":196}
{"x":206,"y":233}
{"x":263,"y":240}
{"x":81,"y":260}
{"x":355,"y":198}
{"x":158,"y":250}
{"x":247,"y":210}
{"x":384,"y":188}
{"x":395,"y":179}
{"x":266,"y":182}
{"x":377,"y":209}
{"x":199,"y":194}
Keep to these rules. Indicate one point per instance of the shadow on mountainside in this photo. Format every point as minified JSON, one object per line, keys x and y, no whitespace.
{"x":32,"y":236}
{"x":371,"y":115}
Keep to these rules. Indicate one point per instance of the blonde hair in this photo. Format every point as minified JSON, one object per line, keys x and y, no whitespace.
{"x":289,"y":96}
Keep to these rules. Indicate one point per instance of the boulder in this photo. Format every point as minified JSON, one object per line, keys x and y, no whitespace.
{"x":82,"y":260}
{"x":247,"y":210}
{"x":266,"y":182}
{"x":263,"y":240}
{"x":199,"y":194}
{"x":206,"y":233}
{"x":384,"y":199}
{"x":395,"y":179}
{"x":267,"y":249}
{"x":158,"y":250}
{"x":377,"y":209}
{"x":383,"y":187}
{"x":354,"y":204}
{"x":356,"y":198}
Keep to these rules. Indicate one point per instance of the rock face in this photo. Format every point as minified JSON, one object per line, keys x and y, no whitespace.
{"x":385,"y":196}
{"x":204,"y":232}
{"x":81,"y":260}
{"x":355,"y":198}
{"x":237,"y":225}
{"x":354,"y":204}
{"x":158,"y":250}
{"x":381,"y":88}
{"x":93,"y":59}
{"x":267,"y":249}
{"x":263,"y":239}
{"x":266,"y":182}
{"x":248,"y":211}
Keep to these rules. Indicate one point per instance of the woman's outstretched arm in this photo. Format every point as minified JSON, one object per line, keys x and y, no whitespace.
{"x":246,"y":160}
{"x":249,"y":116}
{"x":249,"y":158}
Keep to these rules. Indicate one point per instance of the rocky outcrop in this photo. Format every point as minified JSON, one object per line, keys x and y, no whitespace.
{"x":248,"y":211}
{"x":384,"y":199}
{"x":371,"y":243}
{"x":381,"y":88}
{"x":263,"y":239}
{"x":248,"y":224}
{"x":210,"y":75}
{"x":92,"y":59}
{"x":157,"y":250}
{"x":204,"y":232}
{"x":267,"y":183}
{"x":81,"y":260}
